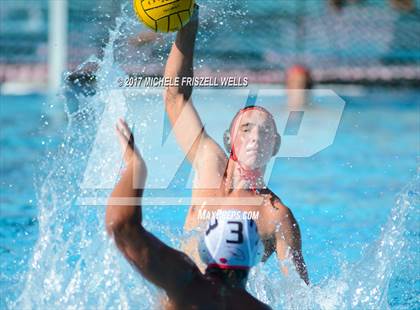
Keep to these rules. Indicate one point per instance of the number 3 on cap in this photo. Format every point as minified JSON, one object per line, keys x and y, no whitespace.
{"x":238,"y":232}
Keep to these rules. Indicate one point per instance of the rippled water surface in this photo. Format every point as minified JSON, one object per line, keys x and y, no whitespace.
{"x":357,"y":204}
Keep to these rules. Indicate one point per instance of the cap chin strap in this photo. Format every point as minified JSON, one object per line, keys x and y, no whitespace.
{"x":251,"y":175}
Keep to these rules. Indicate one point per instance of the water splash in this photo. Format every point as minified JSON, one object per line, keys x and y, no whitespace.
{"x":363,"y":285}
{"x":75,"y":265}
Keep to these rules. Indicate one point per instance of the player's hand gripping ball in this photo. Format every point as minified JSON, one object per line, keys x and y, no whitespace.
{"x":164,"y":15}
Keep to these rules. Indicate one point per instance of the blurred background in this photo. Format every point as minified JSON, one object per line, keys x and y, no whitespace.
{"x":341,"y":41}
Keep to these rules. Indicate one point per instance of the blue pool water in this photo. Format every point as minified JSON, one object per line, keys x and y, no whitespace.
{"x":357,"y":203}
{"x":360,"y":243}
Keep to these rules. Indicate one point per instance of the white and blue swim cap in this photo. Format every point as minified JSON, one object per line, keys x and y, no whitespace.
{"x":231,"y":244}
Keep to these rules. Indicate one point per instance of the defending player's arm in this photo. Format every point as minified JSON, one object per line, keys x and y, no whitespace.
{"x":158,"y":263}
{"x":289,"y":244}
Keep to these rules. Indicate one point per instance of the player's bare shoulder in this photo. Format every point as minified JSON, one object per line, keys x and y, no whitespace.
{"x":274,"y":209}
{"x":272,"y":202}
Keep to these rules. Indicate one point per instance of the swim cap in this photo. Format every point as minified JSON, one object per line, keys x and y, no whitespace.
{"x":231,"y":243}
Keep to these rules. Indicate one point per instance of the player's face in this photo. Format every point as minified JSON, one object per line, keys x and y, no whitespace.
{"x":253,"y":139}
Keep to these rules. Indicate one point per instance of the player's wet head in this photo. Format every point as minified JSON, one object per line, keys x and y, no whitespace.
{"x":230,"y":277}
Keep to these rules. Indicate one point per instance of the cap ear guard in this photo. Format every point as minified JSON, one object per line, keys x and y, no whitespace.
{"x":226,"y":141}
{"x":228,"y":145}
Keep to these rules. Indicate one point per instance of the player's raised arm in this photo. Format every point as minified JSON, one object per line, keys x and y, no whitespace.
{"x":157,"y":262}
{"x":186,"y":123}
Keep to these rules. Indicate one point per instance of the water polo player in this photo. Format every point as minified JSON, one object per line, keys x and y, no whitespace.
{"x":228,"y":254}
{"x":251,"y":141}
